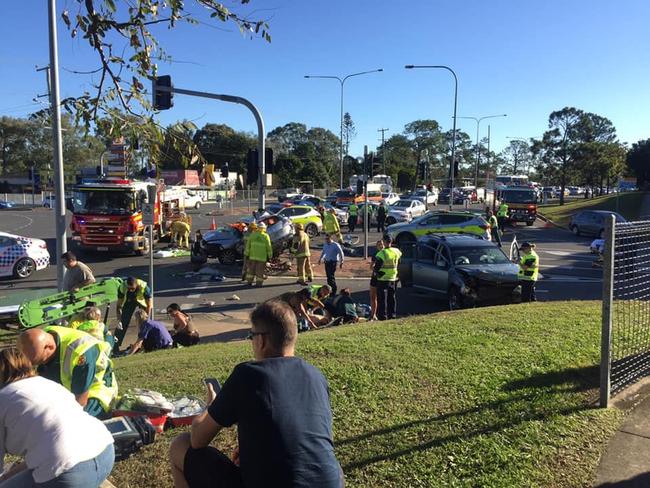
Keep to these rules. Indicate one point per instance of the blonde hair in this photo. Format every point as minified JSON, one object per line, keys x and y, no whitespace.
{"x":14,"y":366}
{"x":140,"y":316}
{"x":92,"y":313}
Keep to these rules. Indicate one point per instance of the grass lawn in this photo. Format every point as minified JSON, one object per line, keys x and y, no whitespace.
{"x":491,"y":397}
{"x":629,"y":206}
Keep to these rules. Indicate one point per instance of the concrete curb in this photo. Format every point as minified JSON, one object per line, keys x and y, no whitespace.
{"x":549,"y":223}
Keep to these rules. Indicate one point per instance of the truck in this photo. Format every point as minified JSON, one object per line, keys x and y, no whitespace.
{"x":522,"y":204}
{"x":107,"y":214}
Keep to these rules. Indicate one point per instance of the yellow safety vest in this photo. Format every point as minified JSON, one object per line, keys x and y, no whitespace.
{"x":353,"y":210}
{"x":390,"y":260}
{"x":529,"y":259}
{"x":259,"y":246}
{"x":503,"y":210}
{"x":330,"y":224}
{"x":139,"y":292}
{"x":247,"y":237}
{"x":72,"y":344}
{"x":93,"y":327}
{"x":494,"y":223}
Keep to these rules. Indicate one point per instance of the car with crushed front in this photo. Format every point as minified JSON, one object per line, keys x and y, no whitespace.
{"x":463,"y":270}
{"x":306,"y":215}
{"x":440,"y":222}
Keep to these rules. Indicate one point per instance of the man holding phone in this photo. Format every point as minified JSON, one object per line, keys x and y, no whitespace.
{"x":280,"y":404}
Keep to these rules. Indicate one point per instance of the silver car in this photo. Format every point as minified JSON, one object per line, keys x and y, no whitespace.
{"x":405,"y":211}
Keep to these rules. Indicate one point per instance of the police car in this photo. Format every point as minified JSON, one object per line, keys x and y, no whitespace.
{"x":21,"y":256}
{"x":439,"y":222}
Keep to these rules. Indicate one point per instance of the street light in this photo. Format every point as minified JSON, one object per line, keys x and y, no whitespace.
{"x":478,"y":150}
{"x":453,"y":139}
{"x":342,"y":82}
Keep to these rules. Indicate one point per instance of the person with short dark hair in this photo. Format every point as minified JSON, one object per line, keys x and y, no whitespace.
{"x":77,"y":274}
{"x":281,"y":406}
{"x":185,"y":334}
{"x":386,"y":269}
{"x":342,"y":307}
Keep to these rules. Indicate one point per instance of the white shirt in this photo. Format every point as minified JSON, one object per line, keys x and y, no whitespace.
{"x":42,"y":421}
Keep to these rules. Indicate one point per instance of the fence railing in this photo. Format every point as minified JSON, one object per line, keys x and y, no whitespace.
{"x":625,"y":340}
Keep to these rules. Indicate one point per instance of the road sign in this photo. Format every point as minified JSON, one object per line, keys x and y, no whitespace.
{"x":147,"y":213}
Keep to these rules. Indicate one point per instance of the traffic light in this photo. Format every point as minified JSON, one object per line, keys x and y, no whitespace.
{"x":224,"y":170}
{"x":268,"y":161}
{"x":162,"y":99}
{"x":359,"y":187}
{"x":251,"y":167}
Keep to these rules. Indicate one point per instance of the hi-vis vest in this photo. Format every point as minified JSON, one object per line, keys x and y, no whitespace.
{"x":93,"y":327}
{"x":529,"y":259}
{"x":330,"y":224}
{"x":503,"y":210}
{"x":74,"y":343}
{"x":139,"y":292}
{"x":494,"y":223}
{"x":353,"y":210}
{"x":390,"y":260}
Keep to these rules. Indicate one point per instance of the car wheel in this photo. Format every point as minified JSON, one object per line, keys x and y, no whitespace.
{"x":311,"y":230}
{"x":145,"y":248}
{"x":228,"y":256}
{"x":24,"y":268}
{"x":529,"y":223}
{"x":575,"y":230}
{"x":455,"y":298}
{"x":601,"y":234}
{"x":197,"y":205}
{"x":405,"y":238}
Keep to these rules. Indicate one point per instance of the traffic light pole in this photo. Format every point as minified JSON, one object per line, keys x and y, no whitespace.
{"x":258,"y":118}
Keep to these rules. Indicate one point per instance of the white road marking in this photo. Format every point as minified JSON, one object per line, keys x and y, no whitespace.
{"x":194,"y":295}
{"x":30,"y":221}
{"x":186,"y":306}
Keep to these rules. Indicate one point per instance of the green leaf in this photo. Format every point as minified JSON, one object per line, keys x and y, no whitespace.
{"x":111,"y":5}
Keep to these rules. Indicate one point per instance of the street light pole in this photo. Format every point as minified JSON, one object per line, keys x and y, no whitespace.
{"x":452,"y":165}
{"x":342,"y":83}
{"x":478,"y":147}
{"x":57,"y":146}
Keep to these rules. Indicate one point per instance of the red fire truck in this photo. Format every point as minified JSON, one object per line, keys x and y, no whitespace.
{"x":107,"y":214}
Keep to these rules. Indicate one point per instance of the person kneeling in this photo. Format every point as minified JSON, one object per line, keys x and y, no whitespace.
{"x":152,"y":335}
{"x":342,"y":308}
{"x":281,"y":406}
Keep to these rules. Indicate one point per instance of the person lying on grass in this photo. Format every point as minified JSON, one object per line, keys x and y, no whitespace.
{"x":281,"y":406}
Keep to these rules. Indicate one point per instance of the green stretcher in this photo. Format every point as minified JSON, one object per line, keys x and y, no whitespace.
{"x":45,"y":310}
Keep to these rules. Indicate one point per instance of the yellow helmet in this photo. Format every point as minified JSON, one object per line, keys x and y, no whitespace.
{"x":299,"y":226}
{"x":252,"y":226}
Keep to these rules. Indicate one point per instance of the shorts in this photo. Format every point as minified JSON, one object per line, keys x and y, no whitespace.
{"x":210,"y":468}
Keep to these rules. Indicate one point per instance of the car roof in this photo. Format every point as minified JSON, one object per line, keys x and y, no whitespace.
{"x":459,"y":239}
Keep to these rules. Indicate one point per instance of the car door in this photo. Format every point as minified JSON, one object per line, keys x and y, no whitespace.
{"x":426,"y":275}
{"x":589,"y":223}
{"x":429,"y":225}
{"x":8,"y":255}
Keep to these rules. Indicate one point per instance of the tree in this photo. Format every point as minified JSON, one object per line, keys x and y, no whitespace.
{"x":349,"y":132}
{"x":517,"y":156}
{"x":638,"y":159}
{"x":285,"y":139}
{"x":219,"y":143}
{"x":13,"y":144}
{"x":177,"y":150}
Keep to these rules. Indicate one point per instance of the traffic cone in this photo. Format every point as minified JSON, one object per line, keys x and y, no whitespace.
{"x":213,"y":226}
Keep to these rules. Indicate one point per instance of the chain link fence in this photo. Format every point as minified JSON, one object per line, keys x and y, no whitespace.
{"x":625,"y":346}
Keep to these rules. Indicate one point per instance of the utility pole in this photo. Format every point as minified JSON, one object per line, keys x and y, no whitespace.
{"x":383,"y":149}
{"x":57,"y":146}
{"x":366,"y":222}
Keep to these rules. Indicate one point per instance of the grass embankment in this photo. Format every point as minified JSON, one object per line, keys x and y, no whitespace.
{"x":487,"y":397}
{"x":627,"y":204}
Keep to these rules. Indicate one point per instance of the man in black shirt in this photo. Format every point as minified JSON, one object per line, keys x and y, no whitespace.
{"x":280,"y":404}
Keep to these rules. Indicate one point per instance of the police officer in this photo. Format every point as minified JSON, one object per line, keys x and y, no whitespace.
{"x":331,"y":225}
{"x":494,"y":227}
{"x":353,"y":214}
{"x":382,"y":213}
{"x":259,"y":251}
{"x":502,"y":215}
{"x":528,"y":271}
{"x":386,"y":264}
{"x":133,"y":293}
{"x":75,"y":360}
{"x":300,"y":248}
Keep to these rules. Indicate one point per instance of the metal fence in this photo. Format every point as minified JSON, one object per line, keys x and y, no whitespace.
{"x":625,"y":342}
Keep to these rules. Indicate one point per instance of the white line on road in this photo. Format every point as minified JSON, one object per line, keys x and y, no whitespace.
{"x":194,"y":295}
{"x":29,"y":219}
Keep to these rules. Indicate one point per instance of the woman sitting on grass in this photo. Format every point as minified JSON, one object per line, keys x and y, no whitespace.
{"x":40,"y":420}
{"x":184,"y":332}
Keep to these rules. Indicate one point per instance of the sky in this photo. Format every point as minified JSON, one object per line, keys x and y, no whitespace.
{"x":521,"y":58}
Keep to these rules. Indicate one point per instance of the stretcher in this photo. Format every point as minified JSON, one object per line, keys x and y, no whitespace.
{"x":48,"y":309}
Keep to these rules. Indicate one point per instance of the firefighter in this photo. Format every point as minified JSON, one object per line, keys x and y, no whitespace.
{"x":502,"y":215}
{"x":353,"y":214}
{"x":75,"y":360}
{"x":252,"y":227}
{"x":260,"y":252}
{"x":494,"y":226}
{"x":331,"y":225}
{"x":300,"y":248}
{"x":180,"y":233}
{"x":528,"y":271}
{"x":386,"y":268}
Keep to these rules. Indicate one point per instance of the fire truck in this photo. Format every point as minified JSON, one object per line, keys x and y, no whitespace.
{"x":107,"y":214}
{"x":522,"y":204}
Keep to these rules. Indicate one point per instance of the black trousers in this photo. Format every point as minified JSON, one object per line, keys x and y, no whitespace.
{"x":502,"y":222}
{"x":330,"y":272}
{"x":386,"y":300}
{"x":496,"y":237}
{"x":352,"y":222}
{"x":528,"y":291}
{"x":381,"y":225}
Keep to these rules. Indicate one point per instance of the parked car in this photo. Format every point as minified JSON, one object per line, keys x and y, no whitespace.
{"x":592,"y":222}
{"x":425,"y":196}
{"x":405,"y":211}
{"x":390,"y":198}
{"x":341,"y":213}
{"x":462,"y":269}
{"x":439,"y":222}
{"x":306,"y":199}
{"x":21,"y":256}
{"x":193,"y":199}
{"x":7,"y":204}
{"x":287,"y":193}
{"x":306,"y":215}
{"x":227,"y":243}
{"x":549,"y":192}
{"x":443,"y":197}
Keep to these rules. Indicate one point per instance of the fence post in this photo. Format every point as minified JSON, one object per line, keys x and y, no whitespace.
{"x":608,"y":301}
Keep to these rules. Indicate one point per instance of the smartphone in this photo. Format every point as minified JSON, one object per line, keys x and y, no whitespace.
{"x":216,"y":386}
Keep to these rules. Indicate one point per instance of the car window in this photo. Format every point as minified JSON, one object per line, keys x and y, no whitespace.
{"x":6,"y":241}
{"x":482,"y":255}
{"x":432,"y":220}
{"x":300,"y":211}
{"x":453,"y":219}
{"x":425,"y":253}
{"x":441,"y":257}
{"x":287,"y":212}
